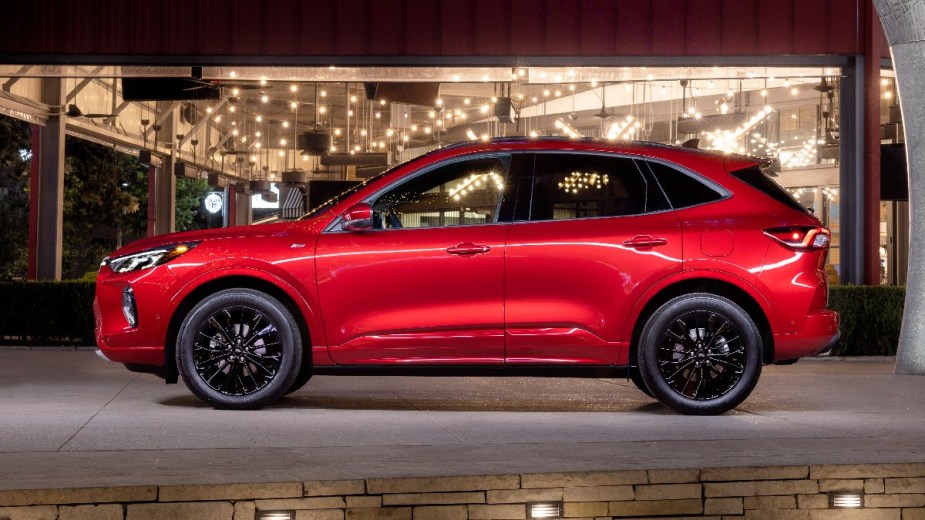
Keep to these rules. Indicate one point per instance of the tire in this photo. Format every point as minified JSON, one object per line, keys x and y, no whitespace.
{"x":700,"y":354}
{"x":305,"y":373}
{"x":239,"y":349}
{"x":636,"y":378}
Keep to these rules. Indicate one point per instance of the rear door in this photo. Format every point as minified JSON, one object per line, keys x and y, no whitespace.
{"x":597,"y":233}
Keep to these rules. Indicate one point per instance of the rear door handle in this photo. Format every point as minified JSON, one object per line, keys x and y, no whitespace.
{"x":468,"y":248}
{"x":645,"y":242}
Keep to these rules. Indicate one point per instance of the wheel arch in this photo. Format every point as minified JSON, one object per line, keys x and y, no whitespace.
{"x":236,"y":281}
{"x":715,"y":286}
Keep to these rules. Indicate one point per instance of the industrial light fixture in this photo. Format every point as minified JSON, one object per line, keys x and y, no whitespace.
{"x":846,"y":500}
{"x":544,"y":510}
{"x":274,"y":515}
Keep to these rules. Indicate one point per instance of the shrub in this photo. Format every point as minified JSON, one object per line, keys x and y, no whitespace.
{"x":52,"y":313}
{"x":47,"y":313}
{"x":871,"y":317}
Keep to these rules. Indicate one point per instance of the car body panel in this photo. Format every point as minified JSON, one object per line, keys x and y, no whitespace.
{"x":569,"y":284}
{"x":557,"y":292}
{"x":398,"y":295}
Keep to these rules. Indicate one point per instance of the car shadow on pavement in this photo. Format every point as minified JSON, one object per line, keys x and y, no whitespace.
{"x":445,"y":403}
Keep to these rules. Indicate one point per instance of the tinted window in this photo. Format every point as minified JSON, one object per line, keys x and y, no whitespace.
{"x":755,"y":178}
{"x":568,"y":186}
{"x":683,"y":190}
{"x":466,"y":192}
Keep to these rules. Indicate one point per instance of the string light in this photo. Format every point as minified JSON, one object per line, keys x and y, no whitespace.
{"x":618,"y":128}
{"x":727,"y":140}
{"x":476,"y":181}
{"x":582,"y":181}
{"x":567,"y":129}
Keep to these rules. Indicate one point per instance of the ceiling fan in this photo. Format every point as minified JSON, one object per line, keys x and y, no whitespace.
{"x":75,"y":111}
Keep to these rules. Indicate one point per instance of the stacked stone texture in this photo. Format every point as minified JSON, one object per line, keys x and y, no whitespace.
{"x":891,"y":492}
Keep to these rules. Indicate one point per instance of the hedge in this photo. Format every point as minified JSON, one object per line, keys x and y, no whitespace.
{"x":47,"y":313}
{"x":54,"y":313}
{"x":871,"y":316}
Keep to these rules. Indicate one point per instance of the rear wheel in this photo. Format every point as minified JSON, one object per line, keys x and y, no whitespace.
{"x":239,"y":349}
{"x":700,"y":354}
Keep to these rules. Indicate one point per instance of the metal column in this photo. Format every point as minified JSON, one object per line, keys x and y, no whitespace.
{"x":46,"y":210}
{"x":851,"y":210}
{"x":870,"y":246}
{"x":165,"y":220}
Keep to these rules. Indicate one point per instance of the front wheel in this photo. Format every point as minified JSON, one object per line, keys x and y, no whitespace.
{"x":700,"y":354}
{"x":239,"y":349}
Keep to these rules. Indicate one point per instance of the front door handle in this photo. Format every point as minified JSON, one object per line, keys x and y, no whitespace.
{"x":468,"y":248}
{"x":645,"y":242}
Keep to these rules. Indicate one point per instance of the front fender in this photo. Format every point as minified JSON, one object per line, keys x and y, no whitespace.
{"x":297,"y":284}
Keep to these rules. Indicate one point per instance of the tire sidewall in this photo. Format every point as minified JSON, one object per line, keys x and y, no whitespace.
{"x":290,"y":341}
{"x":651,"y":336}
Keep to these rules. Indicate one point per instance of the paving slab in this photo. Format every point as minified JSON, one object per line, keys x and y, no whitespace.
{"x":68,"y":419}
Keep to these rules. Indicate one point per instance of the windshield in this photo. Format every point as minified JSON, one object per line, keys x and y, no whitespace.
{"x":321,"y":208}
{"x":317,"y":210}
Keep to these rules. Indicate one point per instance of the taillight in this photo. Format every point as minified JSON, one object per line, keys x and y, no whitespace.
{"x":801,"y":237}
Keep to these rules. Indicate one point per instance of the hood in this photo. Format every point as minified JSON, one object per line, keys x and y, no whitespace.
{"x":202,"y":235}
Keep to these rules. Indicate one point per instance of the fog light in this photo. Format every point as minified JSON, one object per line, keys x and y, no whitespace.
{"x":846,"y":500}
{"x":274,"y":515}
{"x":128,"y":307}
{"x":544,"y":510}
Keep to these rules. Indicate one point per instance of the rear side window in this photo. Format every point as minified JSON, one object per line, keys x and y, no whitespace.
{"x":570,"y":186}
{"x":682,"y":189}
{"x":755,"y":178}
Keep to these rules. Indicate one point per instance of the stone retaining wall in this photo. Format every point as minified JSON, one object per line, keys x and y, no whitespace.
{"x":891,"y":492}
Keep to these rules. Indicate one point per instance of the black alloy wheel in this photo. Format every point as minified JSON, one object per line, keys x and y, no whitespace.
{"x":700,"y":354}
{"x":239,"y":349}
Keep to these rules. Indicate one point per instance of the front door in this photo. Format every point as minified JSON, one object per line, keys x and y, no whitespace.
{"x":425,"y":286}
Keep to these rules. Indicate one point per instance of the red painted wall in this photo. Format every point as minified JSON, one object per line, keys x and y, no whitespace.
{"x":125,"y":28}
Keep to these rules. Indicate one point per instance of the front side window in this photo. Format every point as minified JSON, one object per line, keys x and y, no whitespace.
{"x":462,"y":193}
{"x":570,"y":186}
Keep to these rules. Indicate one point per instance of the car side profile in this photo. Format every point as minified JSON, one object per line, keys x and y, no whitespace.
{"x":684,"y":270}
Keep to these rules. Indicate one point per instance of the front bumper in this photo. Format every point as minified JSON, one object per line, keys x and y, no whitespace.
{"x":115,"y":337}
{"x":819,"y":334}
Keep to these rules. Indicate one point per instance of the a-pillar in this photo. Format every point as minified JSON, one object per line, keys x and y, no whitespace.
{"x":46,"y":199}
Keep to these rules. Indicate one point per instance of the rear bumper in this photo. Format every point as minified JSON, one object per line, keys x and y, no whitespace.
{"x":819,"y":334}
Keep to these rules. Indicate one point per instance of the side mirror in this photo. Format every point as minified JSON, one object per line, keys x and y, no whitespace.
{"x":357,"y":218}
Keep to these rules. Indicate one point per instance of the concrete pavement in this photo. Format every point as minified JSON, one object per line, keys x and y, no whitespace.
{"x":68,"y":418}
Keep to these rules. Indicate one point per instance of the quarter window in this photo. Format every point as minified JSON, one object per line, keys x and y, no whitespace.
{"x":466,"y":192}
{"x":569,"y":186}
{"x":682,"y":189}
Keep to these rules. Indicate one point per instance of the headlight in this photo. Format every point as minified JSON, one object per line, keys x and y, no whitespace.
{"x":149,"y":258}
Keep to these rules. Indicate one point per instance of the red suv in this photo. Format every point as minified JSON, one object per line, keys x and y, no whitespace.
{"x":684,"y":270}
